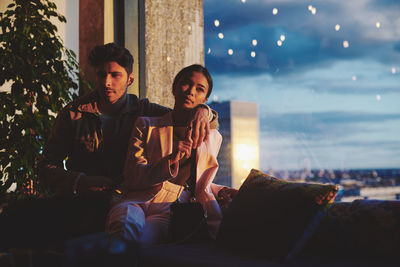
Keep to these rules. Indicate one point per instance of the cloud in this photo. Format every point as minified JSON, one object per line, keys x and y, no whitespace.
{"x":311,"y":41}
{"x":322,"y":125}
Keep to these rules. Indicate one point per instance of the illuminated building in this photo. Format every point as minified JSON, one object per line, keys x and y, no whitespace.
{"x":239,"y":153}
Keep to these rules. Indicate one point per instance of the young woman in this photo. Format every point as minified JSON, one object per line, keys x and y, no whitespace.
{"x":160,"y":161}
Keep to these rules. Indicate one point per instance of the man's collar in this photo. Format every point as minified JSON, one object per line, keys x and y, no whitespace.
{"x":90,"y":104}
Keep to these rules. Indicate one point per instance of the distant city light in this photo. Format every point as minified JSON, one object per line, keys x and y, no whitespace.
{"x":282,"y":37}
{"x":378,"y":97}
{"x":216,"y":23}
{"x":220,"y":35}
{"x":253,"y":54}
{"x":279,"y":43}
{"x":394,"y":70}
{"x":354,"y":78}
{"x":337,"y":27}
{"x":254,"y":42}
{"x":275,"y":11}
{"x":215,"y":98}
{"x":345,"y":44}
{"x":209,"y":51}
{"x":378,"y":24}
{"x":230,"y":52}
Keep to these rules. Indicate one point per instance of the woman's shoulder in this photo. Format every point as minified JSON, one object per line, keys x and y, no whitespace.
{"x":215,"y":135}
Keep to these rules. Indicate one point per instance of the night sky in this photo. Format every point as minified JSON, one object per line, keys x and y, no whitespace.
{"x":325,"y":75}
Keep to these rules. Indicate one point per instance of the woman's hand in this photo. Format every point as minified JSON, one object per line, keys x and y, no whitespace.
{"x":183,"y":149}
{"x":225,"y":196}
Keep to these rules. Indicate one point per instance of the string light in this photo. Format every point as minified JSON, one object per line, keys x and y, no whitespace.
{"x":282,"y":37}
{"x":230,"y":52}
{"x":279,"y":42}
{"x":254,"y":42}
{"x":274,"y":11}
{"x":253,"y":54}
{"x":345,"y":44}
{"x":216,"y":23}
{"x":337,"y":27}
{"x":220,"y":35}
{"x":314,"y":11}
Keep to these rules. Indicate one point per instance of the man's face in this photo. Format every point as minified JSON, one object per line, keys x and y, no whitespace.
{"x":112,"y":81}
{"x":191,"y":91}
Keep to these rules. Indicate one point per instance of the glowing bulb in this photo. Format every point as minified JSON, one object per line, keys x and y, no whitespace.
{"x":243,"y":1}
{"x":354,"y":78}
{"x":345,"y":44}
{"x":189,"y":28}
{"x":378,"y":98}
{"x":314,"y":11}
{"x":254,"y":42}
{"x":168,"y":59}
{"x":274,"y":11}
{"x":279,"y":43}
{"x":230,"y":52}
{"x":253,"y":54}
{"x":220,"y":35}
{"x":216,"y":23}
{"x":209,"y":51}
{"x":310,"y":7}
{"x":282,"y":37}
{"x":378,"y":24}
{"x":394,"y":70}
{"x":337,"y":27}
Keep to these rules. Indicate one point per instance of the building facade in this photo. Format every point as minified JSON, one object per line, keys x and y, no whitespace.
{"x":240,"y":149}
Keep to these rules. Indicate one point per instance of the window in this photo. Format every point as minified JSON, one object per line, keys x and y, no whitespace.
{"x":325,"y":76}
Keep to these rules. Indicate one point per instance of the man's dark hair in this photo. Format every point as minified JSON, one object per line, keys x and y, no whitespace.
{"x":188,"y":71}
{"x":111,"y":52}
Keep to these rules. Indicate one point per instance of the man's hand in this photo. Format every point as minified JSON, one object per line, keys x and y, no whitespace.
{"x":225,"y":196}
{"x":200,"y":126}
{"x":90,"y":184}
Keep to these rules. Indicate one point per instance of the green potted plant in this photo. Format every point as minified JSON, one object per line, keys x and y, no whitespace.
{"x":43,"y":76}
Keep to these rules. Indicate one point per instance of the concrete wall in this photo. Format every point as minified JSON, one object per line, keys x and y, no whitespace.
{"x":174,"y":39}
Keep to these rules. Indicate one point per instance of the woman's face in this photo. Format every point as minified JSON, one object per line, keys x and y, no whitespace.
{"x":190,"y":91}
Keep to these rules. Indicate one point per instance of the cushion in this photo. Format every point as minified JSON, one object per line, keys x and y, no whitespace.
{"x":273,"y":218}
{"x":359,"y":228}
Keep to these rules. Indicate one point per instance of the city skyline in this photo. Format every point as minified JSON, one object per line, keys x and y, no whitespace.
{"x":324,"y":74}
